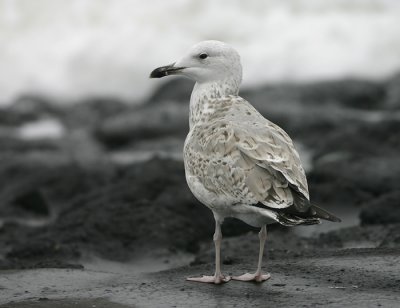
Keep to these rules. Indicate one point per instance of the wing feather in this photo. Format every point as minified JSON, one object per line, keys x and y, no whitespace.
{"x":269,"y":148}
{"x":260,"y":155}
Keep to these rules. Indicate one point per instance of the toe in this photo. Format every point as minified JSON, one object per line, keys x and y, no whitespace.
{"x":252,"y":277}
{"x":210,"y":279}
{"x":261,"y":278}
{"x":206,"y":279}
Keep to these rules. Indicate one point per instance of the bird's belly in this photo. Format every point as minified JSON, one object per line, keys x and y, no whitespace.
{"x":224,"y":206}
{"x":214,"y":180}
{"x":254,"y":219}
{"x":203,"y":185}
{"x":214,"y":201}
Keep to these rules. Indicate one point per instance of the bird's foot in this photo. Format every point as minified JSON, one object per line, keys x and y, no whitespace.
{"x":252,"y":277}
{"x":216,"y":279}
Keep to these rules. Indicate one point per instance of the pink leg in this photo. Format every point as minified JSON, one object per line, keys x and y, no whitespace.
{"x":257,"y":276}
{"x":218,"y":277}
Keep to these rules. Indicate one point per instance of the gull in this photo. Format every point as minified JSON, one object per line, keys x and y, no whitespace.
{"x":237,"y":163}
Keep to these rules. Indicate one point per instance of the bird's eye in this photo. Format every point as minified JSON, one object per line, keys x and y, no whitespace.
{"x":203,"y":56}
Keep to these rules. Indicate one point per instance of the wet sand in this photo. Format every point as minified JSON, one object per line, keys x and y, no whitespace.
{"x":340,"y":278}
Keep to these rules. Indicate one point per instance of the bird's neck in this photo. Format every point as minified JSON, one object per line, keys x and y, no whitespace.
{"x":204,"y":93}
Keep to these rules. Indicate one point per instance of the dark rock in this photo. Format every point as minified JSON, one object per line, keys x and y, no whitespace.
{"x":234,"y":227}
{"x":141,"y":207}
{"x":331,"y":189}
{"x":31,"y":188}
{"x":32,"y":201}
{"x":42,"y":247}
{"x":145,"y":123}
{"x":382,"y":210}
{"x":361,"y":139}
{"x":16,"y":146}
{"x":392,"y":238}
{"x":354,"y":93}
{"x":354,"y":237}
{"x":246,"y":246}
{"x":90,"y":113}
{"x":19,"y":183}
{"x":27,"y":108}
{"x":35,"y":104}
{"x":356,"y":163}
{"x":351,"y":93}
{"x":393,"y":92}
{"x":176,"y":90}
{"x":354,"y":181}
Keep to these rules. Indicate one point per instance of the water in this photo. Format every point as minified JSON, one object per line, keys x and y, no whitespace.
{"x":78,"y":48}
{"x":41,"y":129}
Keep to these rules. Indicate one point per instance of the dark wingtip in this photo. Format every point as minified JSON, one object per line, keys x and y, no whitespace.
{"x":332,"y":218}
{"x":324,"y":214}
{"x":336,"y":219}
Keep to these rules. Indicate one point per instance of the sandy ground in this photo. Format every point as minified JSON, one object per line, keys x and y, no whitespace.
{"x":341,"y":278}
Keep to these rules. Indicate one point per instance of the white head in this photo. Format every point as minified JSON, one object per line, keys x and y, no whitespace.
{"x":207,"y":61}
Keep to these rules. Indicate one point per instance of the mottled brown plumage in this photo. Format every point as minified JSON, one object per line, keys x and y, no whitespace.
{"x":238,"y":155}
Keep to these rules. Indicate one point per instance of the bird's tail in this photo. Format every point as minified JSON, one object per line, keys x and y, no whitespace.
{"x":321,"y":213}
{"x":289,"y":220}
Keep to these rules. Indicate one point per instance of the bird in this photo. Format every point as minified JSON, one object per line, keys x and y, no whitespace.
{"x":238,"y":163}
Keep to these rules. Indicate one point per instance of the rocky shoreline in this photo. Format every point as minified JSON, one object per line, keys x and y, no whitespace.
{"x":104,"y":178}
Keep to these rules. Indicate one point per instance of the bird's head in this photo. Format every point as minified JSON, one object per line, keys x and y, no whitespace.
{"x":206,"y":61}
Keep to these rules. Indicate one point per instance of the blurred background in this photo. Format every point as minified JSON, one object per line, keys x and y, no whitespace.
{"x":91,"y":148}
{"x":87,"y":48}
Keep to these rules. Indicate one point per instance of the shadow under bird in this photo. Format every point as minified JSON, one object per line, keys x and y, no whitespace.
{"x":237,"y":163}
